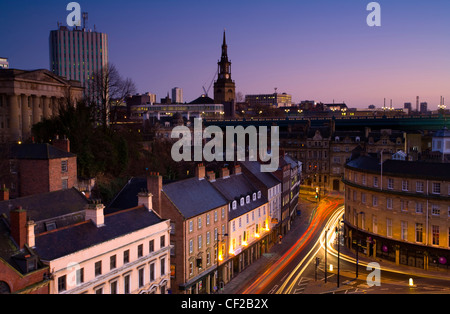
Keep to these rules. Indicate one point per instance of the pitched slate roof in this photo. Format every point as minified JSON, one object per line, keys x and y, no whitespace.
{"x":193,"y":197}
{"x":127,"y":197}
{"x":235,"y":187}
{"x":61,"y":242}
{"x":47,"y":205}
{"x":38,"y":151}
{"x":268,"y":179}
{"x":403,"y":168}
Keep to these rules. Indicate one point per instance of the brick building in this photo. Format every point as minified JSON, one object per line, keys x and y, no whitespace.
{"x":39,"y":168}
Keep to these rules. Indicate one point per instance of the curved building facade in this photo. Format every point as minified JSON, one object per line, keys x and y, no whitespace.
{"x":399,"y":210}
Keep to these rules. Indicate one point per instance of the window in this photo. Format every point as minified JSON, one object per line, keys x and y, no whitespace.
{"x":363,"y":198}
{"x":389,"y":227}
{"x":112,"y":262}
{"x":435,"y":211}
{"x":390,"y":184}
{"x":247,"y":199}
{"x":162,"y":241}
{"x":151,"y":246}
{"x":436,"y":188}
{"x":419,"y":186}
{"x":223,"y":213}
{"x":163,"y":266}
{"x":215,"y":216}
{"x":64,"y":184}
{"x":419,"y":208}
{"x":98,"y":268}
{"x":191,"y":246}
{"x":435,"y":232}
{"x":404,"y":230}
{"x":259,"y":194}
{"x":389,"y":203}
{"x":113,"y":287}
{"x":419,"y":232}
{"x":62,"y":284}
{"x":234,"y":204}
{"x":126,"y":256}
{"x":375,"y":182}
{"x":254,"y":197}
{"x":199,"y":222}
{"x":191,"y":226}
{"x":374,"y":200}
{"x":64,"y":166}
{"x":405,"y":185}
{"x":141,"y":277}
{"x":126,"y":284}
{"x":152,"y":271}
{"x":234,"y":225}
{"x":207,"y":219}
{"x":374,"y":224}
{"x":79,"y":276}
{"x":242,"y":201}
{"x":200,"y":242}
{"x":140,"y":250}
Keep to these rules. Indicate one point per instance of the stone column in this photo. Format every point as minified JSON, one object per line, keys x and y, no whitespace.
{"x":36,"y":110}
{"x":26,"y":127}
{"x":46,"y":107}
{"x":14,"y":112}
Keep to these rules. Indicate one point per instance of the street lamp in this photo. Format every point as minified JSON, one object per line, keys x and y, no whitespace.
{"x":357,"y":242}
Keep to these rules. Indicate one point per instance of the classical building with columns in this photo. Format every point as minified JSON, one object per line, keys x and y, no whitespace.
{"x":27,"y":97}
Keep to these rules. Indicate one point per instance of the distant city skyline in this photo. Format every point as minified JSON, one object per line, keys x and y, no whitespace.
{"x":314,"y":50}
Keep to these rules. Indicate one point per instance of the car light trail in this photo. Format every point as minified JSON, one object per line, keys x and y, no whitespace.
{"x":326,"y":208}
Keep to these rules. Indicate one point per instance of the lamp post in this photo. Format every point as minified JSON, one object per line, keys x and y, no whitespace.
{"x":357,"y":242}
{"x":218,"y":260}
{"x":326,"y":251}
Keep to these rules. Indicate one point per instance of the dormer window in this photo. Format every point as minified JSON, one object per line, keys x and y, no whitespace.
{"x":358,"y":139}
{"x":336,"y":139}
{"x":254,"y":197}
{"x":247,"y":199}
{"x":242,"y":201}
{"x":259,"y":194}
{"x":234,"y":205}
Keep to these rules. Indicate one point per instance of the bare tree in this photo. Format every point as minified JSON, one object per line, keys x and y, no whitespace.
{"x":105,"y":90}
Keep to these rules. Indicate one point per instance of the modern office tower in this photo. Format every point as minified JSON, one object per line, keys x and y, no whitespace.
{"x":177,"y":95}
{"x":78,"y":53}
{"x":4,"y":64}
{"x":423,"y":107}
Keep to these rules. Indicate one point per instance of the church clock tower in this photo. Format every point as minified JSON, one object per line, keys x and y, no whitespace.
{"x":224,"y":87}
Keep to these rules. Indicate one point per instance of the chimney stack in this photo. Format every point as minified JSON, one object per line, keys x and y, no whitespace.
{"x":154,"y":186}
{"x":63,"y":144}
{"x":145,"y":198}
{"x":200,"y":171}
{"x":4,"y":194}
{"x":237,"y":169}
{"x":94,"y":212}
{"x":211,"y":176}
{"x":224,"y":173}
{"x":18,"y":225}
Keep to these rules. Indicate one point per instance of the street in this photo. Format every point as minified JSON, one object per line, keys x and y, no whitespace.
{"x":300,"y":268}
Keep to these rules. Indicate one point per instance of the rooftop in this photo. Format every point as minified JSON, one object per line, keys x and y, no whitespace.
{"x":64,"y":241}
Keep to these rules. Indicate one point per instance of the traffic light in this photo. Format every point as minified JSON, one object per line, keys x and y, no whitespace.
{"x":317,"y":195}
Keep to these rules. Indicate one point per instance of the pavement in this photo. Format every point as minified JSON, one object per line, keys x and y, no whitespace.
{"x":299,"y":226}
{"x":310,"y":286}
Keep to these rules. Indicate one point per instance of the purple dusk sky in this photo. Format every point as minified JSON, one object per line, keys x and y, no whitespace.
{"x":319,"y":50}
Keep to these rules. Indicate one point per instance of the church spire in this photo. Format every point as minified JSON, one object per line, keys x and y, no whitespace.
{"x":224,"y":48}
